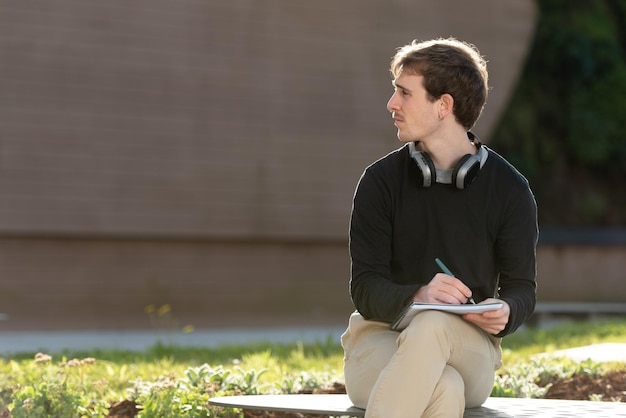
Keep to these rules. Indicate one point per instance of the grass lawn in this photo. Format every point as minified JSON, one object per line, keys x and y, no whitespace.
{"x":177,"y":382}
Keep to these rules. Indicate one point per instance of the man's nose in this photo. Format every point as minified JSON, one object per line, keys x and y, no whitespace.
{"x":392,"y":103}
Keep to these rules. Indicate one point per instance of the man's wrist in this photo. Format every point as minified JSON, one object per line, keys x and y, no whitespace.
{"x":418,"y":295}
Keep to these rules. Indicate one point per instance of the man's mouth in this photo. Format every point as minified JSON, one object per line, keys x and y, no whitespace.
{"x":396,"y":118}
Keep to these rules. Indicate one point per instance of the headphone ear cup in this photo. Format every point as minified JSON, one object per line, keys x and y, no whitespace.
{"x":466,"y":171}
{"x":426,"y":168}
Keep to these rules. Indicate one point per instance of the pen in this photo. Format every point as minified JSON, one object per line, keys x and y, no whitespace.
{"x":449,"y":273}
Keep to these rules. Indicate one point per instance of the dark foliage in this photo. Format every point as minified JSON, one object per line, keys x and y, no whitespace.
{"x":564,"y":127}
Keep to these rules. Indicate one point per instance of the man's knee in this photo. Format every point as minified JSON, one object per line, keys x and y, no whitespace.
{"x":435,"y":319}
{"x":430,"y":324}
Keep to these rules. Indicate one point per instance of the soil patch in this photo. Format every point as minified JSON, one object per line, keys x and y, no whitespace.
{"x":610,"y":387}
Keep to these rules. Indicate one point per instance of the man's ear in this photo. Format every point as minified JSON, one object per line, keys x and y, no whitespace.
{"x":446,"y":104}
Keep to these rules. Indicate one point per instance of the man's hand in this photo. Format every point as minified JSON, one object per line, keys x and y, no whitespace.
{"x":443,"y":289}
{"x":491,"y":321}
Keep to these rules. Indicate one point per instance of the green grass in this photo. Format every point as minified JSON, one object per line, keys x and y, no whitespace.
{"x":522,"y":345}
{"x":170,"y":381}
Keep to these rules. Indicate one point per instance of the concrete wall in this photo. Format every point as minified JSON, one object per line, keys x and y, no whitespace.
{"x":203,"y":154}
{"x":584,"y":273}
{"x":107,"y":284}
{"x":212,"y":119}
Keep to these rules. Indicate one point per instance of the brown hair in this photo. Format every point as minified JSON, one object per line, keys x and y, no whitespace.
{"x":448,"y":66}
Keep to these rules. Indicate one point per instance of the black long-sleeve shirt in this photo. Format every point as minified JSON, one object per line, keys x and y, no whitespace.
{"x":486,"y":234}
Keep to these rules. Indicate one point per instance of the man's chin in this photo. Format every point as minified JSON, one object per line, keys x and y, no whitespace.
{"x":403,"y":138}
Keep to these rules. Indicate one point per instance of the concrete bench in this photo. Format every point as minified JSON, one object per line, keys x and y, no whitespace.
{"x":340,"y":406}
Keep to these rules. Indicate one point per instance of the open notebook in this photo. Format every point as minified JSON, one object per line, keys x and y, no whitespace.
{"x":404,"y":318}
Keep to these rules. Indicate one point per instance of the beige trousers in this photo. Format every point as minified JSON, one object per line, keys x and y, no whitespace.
{"x":439,"y":365}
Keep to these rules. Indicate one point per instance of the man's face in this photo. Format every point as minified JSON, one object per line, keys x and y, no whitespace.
{"x":414,"y":115}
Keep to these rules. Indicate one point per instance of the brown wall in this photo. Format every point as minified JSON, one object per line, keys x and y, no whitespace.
{"x":203,"y":153}
{"x":107,"y":284}
{"x":212,"y":119}
{"x":587,"y":273}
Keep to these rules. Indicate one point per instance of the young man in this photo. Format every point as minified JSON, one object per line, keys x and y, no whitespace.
{"x":442,"y":195}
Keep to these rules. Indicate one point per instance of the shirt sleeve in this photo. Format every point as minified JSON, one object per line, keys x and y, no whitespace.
{"x":516,"y":257}
{"x":373,"y":293}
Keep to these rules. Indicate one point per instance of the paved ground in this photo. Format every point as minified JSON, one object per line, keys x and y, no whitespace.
{"x":51,"y":342}
{"x":597,"y":352}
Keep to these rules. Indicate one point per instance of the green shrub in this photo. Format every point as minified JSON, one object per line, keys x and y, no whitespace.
{"x":563,"y":128}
